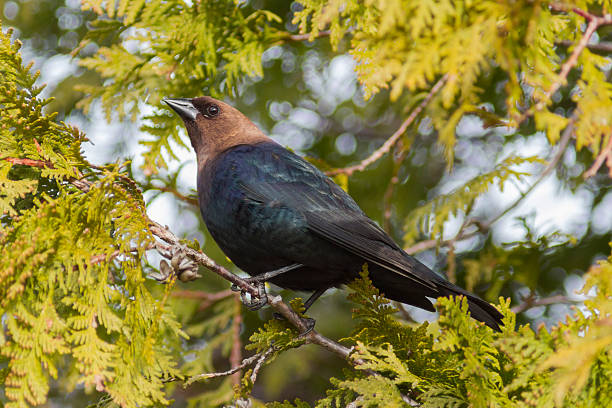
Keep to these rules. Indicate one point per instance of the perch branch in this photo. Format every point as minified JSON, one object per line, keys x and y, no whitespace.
{"x":594,"y":22}
{"x":170,"y":243}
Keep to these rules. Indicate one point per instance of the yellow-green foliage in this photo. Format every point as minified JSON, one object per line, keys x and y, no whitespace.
{"x":408,"y":44}
{"x":72,"y":287}
{"x":74,"y":300}
{"x":458,"y":362}
{"x":172,"y":46}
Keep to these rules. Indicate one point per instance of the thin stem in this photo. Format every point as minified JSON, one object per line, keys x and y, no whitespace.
{"x":605,"y":154}
{"x":532,"y":302}
{"x":384,"y":149}
{"x":484,"y":226}
{"x":260,"y":362}
{"x":599,"y":47}
{"x":204,"y":376}
{"x":179,"y":195}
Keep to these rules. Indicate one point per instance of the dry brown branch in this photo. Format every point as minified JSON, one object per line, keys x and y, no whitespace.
{"x":605,"y":154}
{"x":599,"y":47}
{"x":384,"y":149}
{"x":29,"y":162}
{"x":260,"y":362}
{"x":531,"y":302}
{"x":204,"y":376}
{"x":172,"y":242}
{"x":571,"y":61}
{"x":594,"y":22}
{"x":187,"y":199}
{"x":306,"y":36}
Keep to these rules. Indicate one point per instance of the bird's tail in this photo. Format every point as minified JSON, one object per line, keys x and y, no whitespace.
{"x":479,"y":309}
{"x":396,"y":287}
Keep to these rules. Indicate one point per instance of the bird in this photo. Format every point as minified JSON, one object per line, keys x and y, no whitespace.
{"x":280,"y":219}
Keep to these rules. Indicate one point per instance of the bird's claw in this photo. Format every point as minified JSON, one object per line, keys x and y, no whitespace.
{"x":180,"y":266}
{"x":308,"y":322}
{"x":253,"y":302}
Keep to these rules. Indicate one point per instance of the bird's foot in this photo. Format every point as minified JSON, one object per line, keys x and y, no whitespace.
{"x":308,"y":322}
{"x":252,"y":302}
{"x":180,"y":266}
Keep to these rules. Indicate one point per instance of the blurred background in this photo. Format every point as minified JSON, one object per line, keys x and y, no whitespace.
{"x":310,"y":101}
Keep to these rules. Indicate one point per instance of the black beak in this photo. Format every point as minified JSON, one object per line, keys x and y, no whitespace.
{"x":183,"y":106}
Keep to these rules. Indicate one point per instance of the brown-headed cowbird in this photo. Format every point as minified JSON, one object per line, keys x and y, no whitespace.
{"x":278,"y":217}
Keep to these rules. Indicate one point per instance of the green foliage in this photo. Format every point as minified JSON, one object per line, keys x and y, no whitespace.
{"x":459,"y":362}
{"x":73,"y":288}
{"x":169,"y":46}
{"x":406,"y":45}
{"x":77,"y":309}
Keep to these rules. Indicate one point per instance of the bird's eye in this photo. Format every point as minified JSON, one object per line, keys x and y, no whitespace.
{"x":212,"y":110}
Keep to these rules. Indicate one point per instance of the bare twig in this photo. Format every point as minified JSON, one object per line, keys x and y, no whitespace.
{"x":260,"y":362}
{"x":204,"y":376}
{"x":275,"y":301}
{"x":41,"y":164}
{"x":531,"y":302}
{"x":570,"y":62}
{"x":599,"y":47}
{"x":384,"y":149}
{"x":594,"y":22}
{"x":605,"y":154}
{"x":306,"y":36}
{"x":177,"y":194}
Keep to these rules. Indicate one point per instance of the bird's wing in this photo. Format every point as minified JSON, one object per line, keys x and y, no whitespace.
{"x":333,"y":215}
{"x":364,"y":238}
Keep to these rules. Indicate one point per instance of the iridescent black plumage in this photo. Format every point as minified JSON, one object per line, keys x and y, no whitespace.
{"x":268,"y":208}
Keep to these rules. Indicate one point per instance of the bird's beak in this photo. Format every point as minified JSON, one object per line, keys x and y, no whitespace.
{"x":183,"y":106}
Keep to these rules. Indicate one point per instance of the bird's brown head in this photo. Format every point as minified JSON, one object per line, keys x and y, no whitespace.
{"x":214,"y":126}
